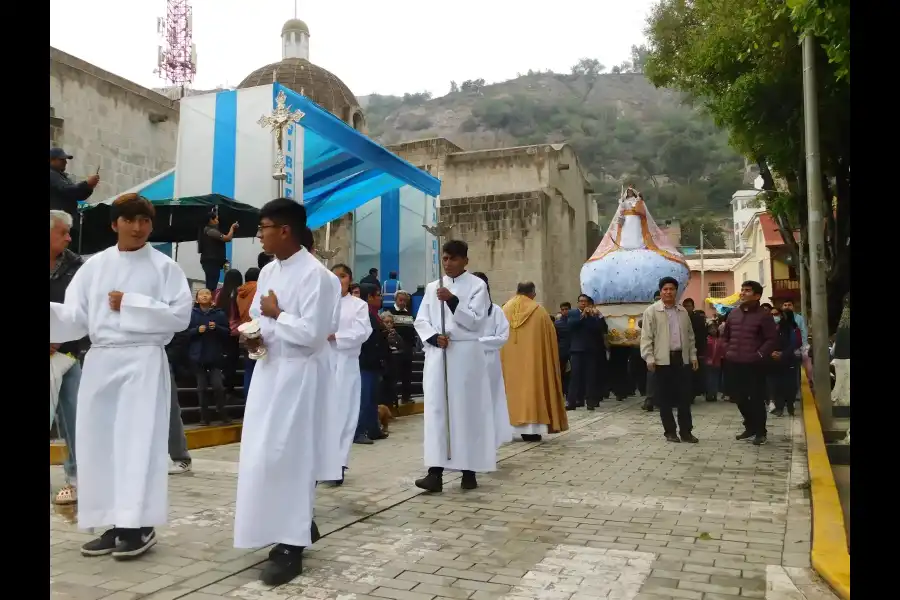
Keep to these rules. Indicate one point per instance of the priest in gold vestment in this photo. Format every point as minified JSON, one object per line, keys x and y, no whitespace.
{"x":531,"y":368}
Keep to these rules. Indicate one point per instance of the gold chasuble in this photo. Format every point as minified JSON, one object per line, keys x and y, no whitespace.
{"x":531,"y":367}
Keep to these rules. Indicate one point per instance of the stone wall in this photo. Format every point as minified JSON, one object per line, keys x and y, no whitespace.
{"x":103,"y":120}
{"x":519,"y":237}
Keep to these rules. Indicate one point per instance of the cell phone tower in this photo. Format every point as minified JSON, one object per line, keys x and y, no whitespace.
{"x":176,"y":54}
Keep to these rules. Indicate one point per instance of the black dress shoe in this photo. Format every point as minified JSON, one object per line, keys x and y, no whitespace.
{"x":362,"y":439}
{"x":689,"y":439}
{"x":531,"y":437}
{"x":285,"y":563}
{"x":744,"y":436}
{"x":759,"y":440}
{"x":468,"y":481}
{"x":432,"y":482}
{"x":671,"y":437}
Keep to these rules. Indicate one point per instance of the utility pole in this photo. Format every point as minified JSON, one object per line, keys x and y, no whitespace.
{"x":702,"y":273}
{"x":815,"y":204}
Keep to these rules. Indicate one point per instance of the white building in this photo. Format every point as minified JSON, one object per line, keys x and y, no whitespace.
{"x":744,"y":204}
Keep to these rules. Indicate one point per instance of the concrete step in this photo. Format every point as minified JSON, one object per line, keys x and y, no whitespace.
{"x":219,"y":435}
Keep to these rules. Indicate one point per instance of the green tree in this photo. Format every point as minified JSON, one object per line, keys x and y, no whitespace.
{"x":741,"y":61}
{"x":638,"y":58}
{"x":588,"y":66}
{"x":829,"y":21}
{"x":712,"y":233}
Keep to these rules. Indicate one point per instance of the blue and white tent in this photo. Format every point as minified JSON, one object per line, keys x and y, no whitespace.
{"x":222,"y":149}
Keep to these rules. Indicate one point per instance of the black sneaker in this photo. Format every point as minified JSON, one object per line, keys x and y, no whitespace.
{"x":671,"y":437}
{"x":103,"y":545}
{"x":432,"y":482}
{"x":285,"y":563}
{"x":362,"y":439}
{"x":568,"y":407}
{"x":744,"y":436}
{"x":134,"y":542}
{"x":314,"y":535}
{"x":531,"y":437}
{"x":759,"y":440}
{"x":689,"y":439}
{"x":791,"y":411}
{"x":468,"y":481}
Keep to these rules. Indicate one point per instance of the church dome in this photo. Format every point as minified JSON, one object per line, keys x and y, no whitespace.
{"x":297,"y":73}
{"x":295,"y":25}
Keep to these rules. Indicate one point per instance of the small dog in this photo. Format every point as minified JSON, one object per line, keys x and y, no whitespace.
{"x":384,"y":417}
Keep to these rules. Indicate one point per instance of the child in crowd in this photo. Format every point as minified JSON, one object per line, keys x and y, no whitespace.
{"x":208,"y":334}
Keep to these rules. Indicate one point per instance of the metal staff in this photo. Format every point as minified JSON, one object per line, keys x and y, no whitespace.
{"x":440,"y":230}
{"x":327,"y":254}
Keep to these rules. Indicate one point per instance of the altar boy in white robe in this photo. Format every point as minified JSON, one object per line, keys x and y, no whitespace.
{"x":131,"y":299}
{"x":493,"y":338}
{"x":296,"y":301}
{"x":465,"y":301}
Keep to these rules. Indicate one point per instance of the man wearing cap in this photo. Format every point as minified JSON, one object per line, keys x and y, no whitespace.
{"x":65,"y":194}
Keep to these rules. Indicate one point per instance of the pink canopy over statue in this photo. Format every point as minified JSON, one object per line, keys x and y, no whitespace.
{"x":622,"y":276}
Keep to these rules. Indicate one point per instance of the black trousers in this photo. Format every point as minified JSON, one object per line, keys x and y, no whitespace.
{"x":620,"y":381}
{"x":211,"y":271}
{"x":563,"y":374}
{"x":784,"y":383}
{"x":209,"y":376}
{"x":672,"y":390}
{"x":747,"y":387}
{"x":583,"y":384}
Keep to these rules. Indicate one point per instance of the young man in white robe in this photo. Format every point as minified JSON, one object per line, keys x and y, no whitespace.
{"x":354,"y":328}
{"x":493,"y":338}
{"x":464,"y":300}
{"x":295,"y":304}
{"x":130,"y":299}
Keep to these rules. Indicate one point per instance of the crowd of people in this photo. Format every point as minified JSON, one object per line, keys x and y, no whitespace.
{"x":323,"y":337}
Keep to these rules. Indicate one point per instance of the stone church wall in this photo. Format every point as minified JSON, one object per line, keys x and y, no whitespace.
{"x":522,"y":236}
{"x":129,"y":131}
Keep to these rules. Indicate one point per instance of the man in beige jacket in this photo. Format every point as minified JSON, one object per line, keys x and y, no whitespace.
{"x":668,"y":347}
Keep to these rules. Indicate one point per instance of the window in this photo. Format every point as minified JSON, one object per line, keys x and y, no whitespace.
{"x":792,"y":272}
{"x":717,"y":289}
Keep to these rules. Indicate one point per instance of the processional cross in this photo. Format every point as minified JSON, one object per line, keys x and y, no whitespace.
{"x":278,"y":121}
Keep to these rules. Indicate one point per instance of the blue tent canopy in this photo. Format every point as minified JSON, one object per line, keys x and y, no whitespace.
{"x":342,"y":168}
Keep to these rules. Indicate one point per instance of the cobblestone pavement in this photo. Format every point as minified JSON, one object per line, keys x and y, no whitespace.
{"x":605,"y":510}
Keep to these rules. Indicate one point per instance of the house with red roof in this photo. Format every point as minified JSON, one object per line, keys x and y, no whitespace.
{"x":768,"y":260}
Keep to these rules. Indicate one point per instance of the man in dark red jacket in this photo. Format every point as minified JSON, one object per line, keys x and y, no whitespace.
{"x":750,"y":337}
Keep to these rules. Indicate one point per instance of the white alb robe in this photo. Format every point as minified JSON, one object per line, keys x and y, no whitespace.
{"x":354,"y":328}
{"x":123,"y":400}
{"x":494,"y":336}
{"x":283,"y":432}
{"x":331,"y":420}
{"x":472,"y":434}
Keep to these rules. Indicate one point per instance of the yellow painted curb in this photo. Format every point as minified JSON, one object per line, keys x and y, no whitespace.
{"x":204,"y":437}
{"x":830,"y":557}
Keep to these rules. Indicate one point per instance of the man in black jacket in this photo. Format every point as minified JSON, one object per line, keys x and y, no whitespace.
{"x":562,"y":340}
{"x":372,"y":357}
{"x":587,"y":332}
{"x":64,"y":193}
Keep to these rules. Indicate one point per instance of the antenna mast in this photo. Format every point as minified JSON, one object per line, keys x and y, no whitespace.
{"x":176,"y":54}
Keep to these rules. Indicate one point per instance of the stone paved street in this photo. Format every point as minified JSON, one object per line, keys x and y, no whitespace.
{"x":605,"y":510}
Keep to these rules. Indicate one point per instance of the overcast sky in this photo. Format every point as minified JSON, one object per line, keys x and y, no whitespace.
{"x":387,"y":47}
